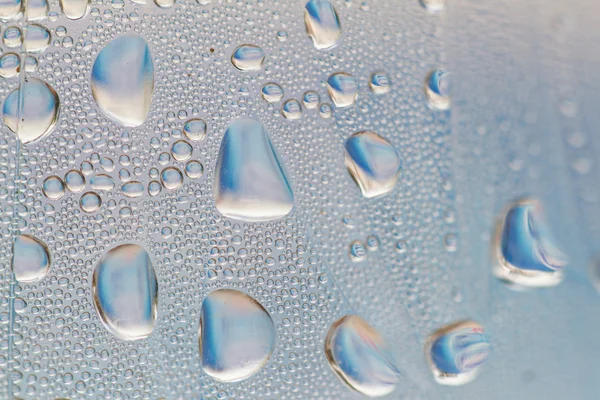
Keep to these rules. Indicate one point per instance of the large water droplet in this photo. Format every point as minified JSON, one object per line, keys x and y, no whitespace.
{"x":437,"y":89}
{"x":181,"y":150}
{"x":373,"y":163}
{"x":195,"y":129}
{"x":9,"y":65}
{"x":30,"y":260}
{"x":237,"y":335}
{"x":12,"y":37}
{"x":74,"y":9}
{"x":271,"y":92}
{"x":311,"y":99}
{"x":194,"y":169}
{"x":75,"y":181}
{"x":248,"y":57}
{"x":123,"y":80}
{"x":38,"y":113}
{"x":37,"y":38}
{"x":102,"y":182}
{"x":90,"y":202}
{"x":53,"y":187}
{"x":360,"y":357}
{"x":455,"y":353}
{"x":379,"y":83}
{"x":9,"y":9}
{"x":250,"y":182}
{"x":133,"y":189}
{"x":343,"y":89}
{"x":37,"y":10}
{"x":125,"y":292}
{"x":322,"y":24}
{"x":291,"y":109}
{"x":171,"y":178}
{"x":525,"y":248}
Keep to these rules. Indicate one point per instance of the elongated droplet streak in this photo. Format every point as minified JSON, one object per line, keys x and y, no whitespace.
{"x":39,"y":111}
{"x":123,"y":80}
{"x":525,"y":249}
{"x":74,"y":9}
{"x":322,"y":24}
{"x":455,"y":353}
{"x":250,"y":181}
{"x":30,"y":259}
{"x":126,"y":292}
{"x":373,"y":163}
{"x":236,"y":335}
{"x":360,"y":357}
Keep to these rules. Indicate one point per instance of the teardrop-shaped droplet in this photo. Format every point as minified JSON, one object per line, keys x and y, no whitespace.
{"x":74,"y":9}
{"x":373,"y":163}
{"x":343,"y":89}
{"x":9,"y":9}
{"x":272,"y":92}
{"x":30,"y":260}
{"x":322,"y":24}
{"x":37,"y":38}
{"x":526,"y":252}
{"x":38,"y":112}
{"x":123,"y":80}
{"x":133,"y":189}
{"x":455,"y":353}
{"x":437,"y":89}
{"x":125,"y":292}
{"x":360,"y":357}
{"x":248,"y":57}
{"x":236,"y":335}
{"x":250,"y":182}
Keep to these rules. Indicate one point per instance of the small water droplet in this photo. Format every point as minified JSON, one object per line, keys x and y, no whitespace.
{"x":322,"y":24}
{"x":372,"y":243}
{"x":90,"y":202}
{"x":30,"y":260}
{"x":75,"y":181}
{"x":325,"y":110}
{"x":194,"y":169}
{"x":171,"y":178}
{"x":437,"y":89}
{"x":343,"y":89}
{"x":272,"y":92}
{"x":154,"y":188}
{"x":181,"y":150}
{"x":291,"y":109}
{"x":195,"y":129}
{"x":74,"y":9}
{"x":133,"y":189}
{"x":311,"y":99}
{"x":357,"y":251}
{"x":53,"y":187}
{"x":248,"y":57}
{"x":379,"y":83}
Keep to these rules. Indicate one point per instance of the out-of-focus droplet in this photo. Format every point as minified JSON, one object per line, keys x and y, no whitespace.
{"x":311,"y":99}
{"x":74,"y":9}
{"x":322,"y":24}
{"x":195,"y":129}
{"x":90,"y":202}
{"x":357,"y":251}
{"x":171,"y":178}
{"x":360,"y":357}
{"x":291,"y":109}
{"x":9,"y":65}
{"x":12,"y":37}
{"x":37,"y":38}
{"x":525,"y":250}
{"x":433,"y":5}
{"x":102,"y":182}
{"x":248,"y":57}
{"x":343,"y":89}
{"x":237,"y":335}
{"x":325,"y":110}
{"x":455,"y":353}
{"x":38,"y":112}
{"x":53,"y":187}
{"x":437,"y":89}
{"x":379,"y":83}
{"x":133,"y":189}
{"x":37,"y":10}
{"x":181,"y":150}
{"x":123,"y":80}
{"x":272,"y":92}
{"x":30,"y":259}
{"x":75,"y":181}
{"x":373,"y":162}
{"x":250,"y":182}
{"x":9,"y":9}
{"x":125,"y":292}
{"x":194,"y":169}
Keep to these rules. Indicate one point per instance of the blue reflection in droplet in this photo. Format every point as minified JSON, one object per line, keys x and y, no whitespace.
{"x":248,"y":57}
{"x":322,"y":24}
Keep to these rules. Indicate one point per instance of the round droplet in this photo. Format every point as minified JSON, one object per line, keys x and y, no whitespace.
{"x":154,"y":188}
{"x":181,"y":150}
{"x":165,"y":3}
{"x":357,"y":251}
{"x":9,"y":65}
{"x":74,"y":9}
{"x":75,"y":181}
{"x":90,"y":202}
{"x":372,"y":243}
{"x":325,"y":110}
{"x":133,"y":189}
{"x":360,"y":357}
{"x":37,"y":38}
{"x":195,"y":129}
{"x":194,"y":169}
{"x":30,"y":259}
{"x":248,"y":57}
{"x":125,"y":292}
{"x":9,"y":9}
{"x":38,"y":112}
{"x":236,"y":335}
{"x":31,"y":64}
{"x":455,"y":353}
{"x":12,"y":37}
{"x":322,"y":24}
{"x":311,"y":99}
{"x":343,"y":89}
{"x":272,"y":92}
{"x":102,"y":182}
{"x":291,"y":109}
{"x":379,"y":83}
{"x":53,"y":187}
{"x":437,"y":89}
{"x":433,"y":5}
{"x":171,"y":178}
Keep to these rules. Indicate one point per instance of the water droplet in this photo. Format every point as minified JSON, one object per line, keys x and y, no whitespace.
{"x":37,"y":10}
{"x":125,"y":292}
{"x":237,"y":335}
{"x":373,"y":163}
{"x":133,"y":189}
{"x":250,"y":182}
{"x":171,"y":178}
{"x":343,"y":89}
{"x":437,"y":89}
{"x":53,"y":187}
{"x":12,"y":37}
{"x":9,"y":9}
{"x":194,"y":169}
{"x":30,"y":260}
{"x":165,"y":3}
{"x":102,"y":182}
{"x":123,"y":80}
{"x":154,"y":188}
{"x":291,"y":109}
{"x":433,"y":5}
{"x":325,"y":110}
{"x":195,"y":129}
{"x":75,"y":181}
{"x":357,"y":251}
{"x":311,"y":99}
{"x":39,"y":110}
{"x":74,"y":9}
{"x":248,"y":57}
{"x":9,"y":65}
{"x":37,"y":38}
{"x":90,"y":202}
{"x":456,"y":352}
{"x":272,"y":92}
{"x":379,"y":83}
{"x":525,"y":248}
{"x":181,"y":150}
{"x":360,"y":357}
{"x":322,"y":24}
{"x":372,"y":243}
